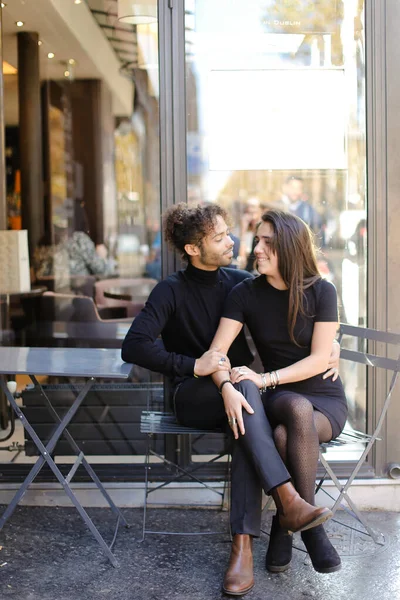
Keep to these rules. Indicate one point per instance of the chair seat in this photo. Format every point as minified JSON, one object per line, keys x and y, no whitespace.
{"x":164,"y":422}
{"x":346,"y":438}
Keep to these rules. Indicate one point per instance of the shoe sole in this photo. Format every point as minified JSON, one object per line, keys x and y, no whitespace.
{"x":242,"y":593}
{"x":329,"y":569}
{"x":278,"y":568}
{"x":327,"y":514}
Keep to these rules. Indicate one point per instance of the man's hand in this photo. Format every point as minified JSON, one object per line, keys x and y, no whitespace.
{"x":333,"y":365}
{"x":234,"y":403}
{"x":213,"y":360}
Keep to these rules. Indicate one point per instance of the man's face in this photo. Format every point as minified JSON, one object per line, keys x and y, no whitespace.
{"x":294,"y":190}
{"x":216,"y":249}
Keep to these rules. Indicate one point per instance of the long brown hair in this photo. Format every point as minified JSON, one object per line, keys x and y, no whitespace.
{"x":294,"y":244}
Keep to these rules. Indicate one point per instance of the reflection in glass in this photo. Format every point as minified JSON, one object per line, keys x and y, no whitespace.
{"x":99,"y":98}
{"x":276,"y":118}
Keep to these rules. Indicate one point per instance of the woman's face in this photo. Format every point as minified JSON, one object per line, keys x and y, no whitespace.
{"x":267,"y":259}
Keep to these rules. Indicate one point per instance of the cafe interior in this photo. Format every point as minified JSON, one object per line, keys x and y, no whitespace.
{"x":80,"y":232}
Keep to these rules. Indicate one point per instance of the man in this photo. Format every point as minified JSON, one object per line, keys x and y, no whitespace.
{"x":294,"y":200}
{"x":248,"y":225}
{"x":185,"y":309}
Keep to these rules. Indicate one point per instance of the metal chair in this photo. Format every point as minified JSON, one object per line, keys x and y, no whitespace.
{"x":370,"y":360}
{"x":66,"y":307}
{"x":79,"y":285}
{"x":157,"y":422}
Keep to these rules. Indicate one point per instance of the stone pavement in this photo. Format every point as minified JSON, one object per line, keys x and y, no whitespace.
{"x":48,"y":554}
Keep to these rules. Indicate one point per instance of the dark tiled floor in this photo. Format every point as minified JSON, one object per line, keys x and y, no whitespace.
{"x":48,"y":554}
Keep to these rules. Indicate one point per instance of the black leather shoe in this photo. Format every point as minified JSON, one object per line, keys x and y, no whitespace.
{"x":279,"y":553}
{"x":323,"y":555}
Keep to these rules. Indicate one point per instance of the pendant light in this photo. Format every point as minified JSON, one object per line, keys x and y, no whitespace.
{"x":137,"y":13}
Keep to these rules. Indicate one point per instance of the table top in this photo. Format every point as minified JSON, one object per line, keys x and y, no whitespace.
{"x":77,"y":330}
{"x":95,"y":334}
{"x":64,"y":362}
{"x":35,"y":291}
{"x":137,"y":293}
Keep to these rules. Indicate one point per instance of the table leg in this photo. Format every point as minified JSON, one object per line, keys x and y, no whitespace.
{"x":46,"y":458}
{"x":78,"y":451}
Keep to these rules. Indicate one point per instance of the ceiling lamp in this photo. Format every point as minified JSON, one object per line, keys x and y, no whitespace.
{"x":137,"y":13}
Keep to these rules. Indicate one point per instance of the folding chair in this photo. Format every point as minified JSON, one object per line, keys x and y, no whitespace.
{"x":155,"y":422}
{"x":373,"y":361}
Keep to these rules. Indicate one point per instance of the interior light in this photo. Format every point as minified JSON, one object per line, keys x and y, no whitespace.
{"x":3,"y":4}
{"x":51,"y":55}
{"x":20,"y":23}
{"x":78,"y":1}
{"x":8,"y":69}
{"x":66,"y":73}
{"x":39,"y":43}
{"x":71,"y":61}
{"x":134,"y":12}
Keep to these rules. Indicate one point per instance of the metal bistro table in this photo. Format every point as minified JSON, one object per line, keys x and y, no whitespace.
{"x":63,"y":362}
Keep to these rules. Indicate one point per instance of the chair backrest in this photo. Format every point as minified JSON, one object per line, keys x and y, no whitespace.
{"x":144,"y":285}
{"x":373,"y":360}
{"x":81,"y":285}
{"x":67,"y":308}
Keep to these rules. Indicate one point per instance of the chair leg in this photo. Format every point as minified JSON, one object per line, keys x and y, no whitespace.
{"x":343,"y":495}
{"x":146,"y":486}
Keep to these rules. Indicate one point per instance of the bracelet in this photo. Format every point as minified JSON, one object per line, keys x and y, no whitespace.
{"x":194,"y":375}
{"x":272,"y":380}
{"x":222,"y":385}
{"x":263,"y":382}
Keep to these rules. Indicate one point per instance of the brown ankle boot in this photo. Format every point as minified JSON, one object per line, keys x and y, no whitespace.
{"x":238,"y":578}
{"x":295,"y":514}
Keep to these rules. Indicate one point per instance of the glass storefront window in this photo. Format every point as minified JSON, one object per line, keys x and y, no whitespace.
{"x":276,"y":118}
{"x":100,"y":253}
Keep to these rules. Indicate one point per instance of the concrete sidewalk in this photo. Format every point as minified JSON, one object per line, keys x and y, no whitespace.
{"x":48,"y":554}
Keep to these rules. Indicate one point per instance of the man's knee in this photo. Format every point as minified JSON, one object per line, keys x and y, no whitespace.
{"x":247,"y":387}
{"x":250,"y":391}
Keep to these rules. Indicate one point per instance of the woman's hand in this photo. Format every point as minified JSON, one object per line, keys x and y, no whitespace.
{"x":240,"y":373}
{"x":333,"y":364}
{"x":234,"y":403}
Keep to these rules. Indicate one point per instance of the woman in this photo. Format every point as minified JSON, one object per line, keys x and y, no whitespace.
{"x":73,"y":252}
{"x":292,"y":315}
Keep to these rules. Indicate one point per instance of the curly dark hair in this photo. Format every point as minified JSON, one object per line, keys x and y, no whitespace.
{"x":189,"y":225}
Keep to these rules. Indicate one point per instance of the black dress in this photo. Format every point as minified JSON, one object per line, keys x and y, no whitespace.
{"x":264,"y":309}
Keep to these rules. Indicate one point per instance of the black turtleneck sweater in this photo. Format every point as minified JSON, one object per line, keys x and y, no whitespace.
{"x":185,"y":309}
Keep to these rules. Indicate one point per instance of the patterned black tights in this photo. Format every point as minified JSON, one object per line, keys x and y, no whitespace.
{"x":298,"y":430}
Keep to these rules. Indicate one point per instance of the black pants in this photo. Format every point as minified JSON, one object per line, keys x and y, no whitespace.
{"x":256,"y":464}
